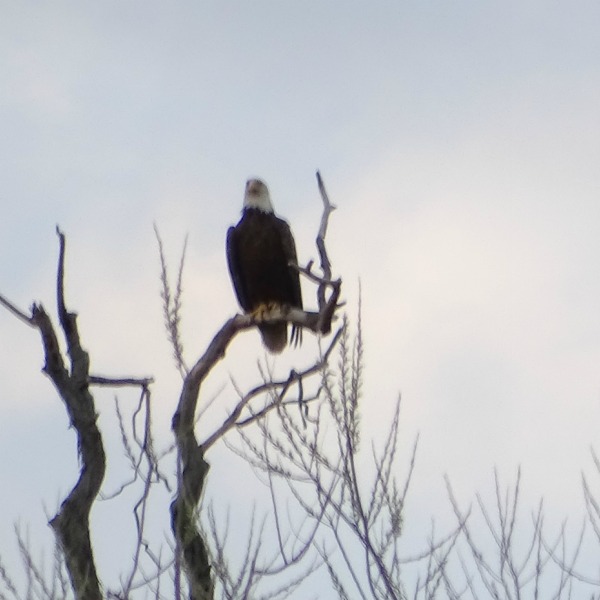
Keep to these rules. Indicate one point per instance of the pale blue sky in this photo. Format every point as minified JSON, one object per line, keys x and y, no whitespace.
{"x":460,"y":141}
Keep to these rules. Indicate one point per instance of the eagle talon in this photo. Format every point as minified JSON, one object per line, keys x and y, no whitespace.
{"x":260,"y":312}
{"x":263,"y":311}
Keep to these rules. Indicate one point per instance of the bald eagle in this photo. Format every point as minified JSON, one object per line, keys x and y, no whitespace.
{"x":259,"y":251}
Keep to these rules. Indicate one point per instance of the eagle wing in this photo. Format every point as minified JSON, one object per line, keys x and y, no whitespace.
{"x":233,"y":262}
{"x":289,"y":250}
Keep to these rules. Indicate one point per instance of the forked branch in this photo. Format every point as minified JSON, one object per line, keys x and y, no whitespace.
{"x":71,"y":523}
{"x":72,"y":381}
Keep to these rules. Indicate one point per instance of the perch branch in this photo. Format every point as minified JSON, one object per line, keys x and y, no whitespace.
{"x":143,"y":382}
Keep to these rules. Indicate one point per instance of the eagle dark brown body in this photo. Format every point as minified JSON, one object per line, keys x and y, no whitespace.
{"x":259,"y":251}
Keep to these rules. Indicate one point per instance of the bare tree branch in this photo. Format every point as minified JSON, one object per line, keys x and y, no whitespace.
{"x":194,"y":468}
{"x":72,"y":380}
{"x":16,"y":311}
{"x":71,"y":523}
{"x":233,"y":419}
{"x":120,"y":381}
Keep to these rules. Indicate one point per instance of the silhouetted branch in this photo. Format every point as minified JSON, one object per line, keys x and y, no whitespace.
{"x":233,"y":420}
{"x":72,"y":380}
{"x":194,"y":468}
{"x":328,"y":208}
{"x":71,"y":523}
{"x":16,"y":311}
{"x":144,"y":382}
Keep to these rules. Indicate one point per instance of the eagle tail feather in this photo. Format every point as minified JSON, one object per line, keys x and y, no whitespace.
{"x":296,"y":337}
{"x":274,"y":336}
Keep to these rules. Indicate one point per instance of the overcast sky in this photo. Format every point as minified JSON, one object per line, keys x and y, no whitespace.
{"x":460,"y":142}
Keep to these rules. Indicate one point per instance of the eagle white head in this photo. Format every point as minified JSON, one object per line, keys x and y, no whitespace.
{"x":257,"y":196}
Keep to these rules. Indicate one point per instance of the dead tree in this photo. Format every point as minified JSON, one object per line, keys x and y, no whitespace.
{"x":312,"y":455}
{"x":191,"y":453}
{"x":340,"y":505}
{"x":72,"y":380}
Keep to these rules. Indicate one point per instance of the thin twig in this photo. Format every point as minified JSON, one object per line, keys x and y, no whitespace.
{"x":28,"y":319}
